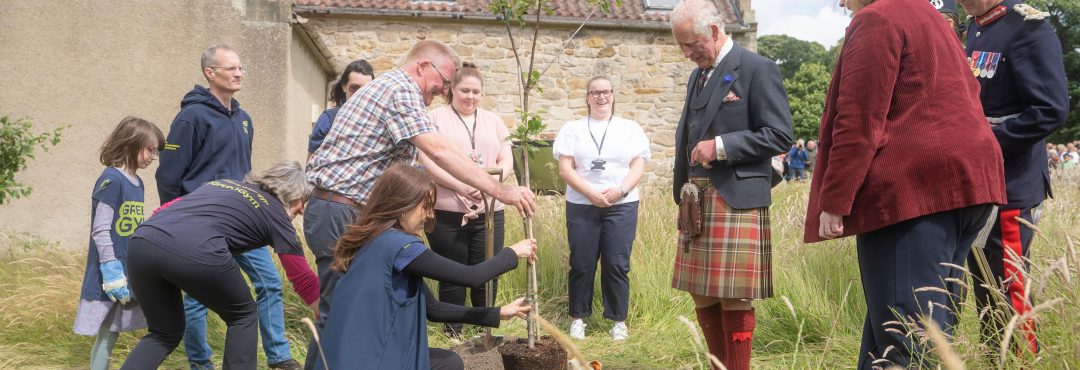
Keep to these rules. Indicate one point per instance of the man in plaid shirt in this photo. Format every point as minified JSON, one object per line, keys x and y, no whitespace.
{"x":385,"y":122}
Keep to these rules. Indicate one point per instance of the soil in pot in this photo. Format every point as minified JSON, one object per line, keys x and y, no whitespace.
{"x":547,"y":355}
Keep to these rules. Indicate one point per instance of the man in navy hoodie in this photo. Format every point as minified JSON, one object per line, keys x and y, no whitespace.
{"x":210,"y":139}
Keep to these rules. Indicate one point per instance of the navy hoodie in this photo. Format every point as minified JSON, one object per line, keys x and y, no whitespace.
{"x":206,"y":142}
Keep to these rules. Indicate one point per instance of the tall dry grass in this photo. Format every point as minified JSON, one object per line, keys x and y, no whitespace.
{"x":814,"y":322}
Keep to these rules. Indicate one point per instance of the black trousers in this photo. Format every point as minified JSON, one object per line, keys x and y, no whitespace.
{"x":605,"y":235}
{"x":444,"y":359}
{"x":157,"y":277}
{"x":465,"y":245}
{"x":1007,"y":250}
{"x":903,"y":279}
{"x":324,"y":222}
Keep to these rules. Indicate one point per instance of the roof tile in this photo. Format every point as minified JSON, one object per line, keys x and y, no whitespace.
{"x":631,"y":10}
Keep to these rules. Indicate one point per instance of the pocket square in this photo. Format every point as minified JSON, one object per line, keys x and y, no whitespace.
{"x":731,"y":97}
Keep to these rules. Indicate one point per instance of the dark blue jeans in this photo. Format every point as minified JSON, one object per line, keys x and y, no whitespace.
{"x":605,"y":235}
{"x":897,"y":260}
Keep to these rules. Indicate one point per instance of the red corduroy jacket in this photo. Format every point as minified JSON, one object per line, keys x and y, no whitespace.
{"x":903,"y":134}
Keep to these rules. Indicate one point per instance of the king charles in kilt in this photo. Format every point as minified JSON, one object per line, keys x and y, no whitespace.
{"x":735,"y":119}
{"x":1017,"y":60}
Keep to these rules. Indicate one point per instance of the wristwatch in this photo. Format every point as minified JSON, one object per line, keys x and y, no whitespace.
{"x":624,"y":193}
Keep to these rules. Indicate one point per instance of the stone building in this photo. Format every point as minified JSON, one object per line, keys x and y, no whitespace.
{"x":87,"y":64}
{"x":632,"y":45}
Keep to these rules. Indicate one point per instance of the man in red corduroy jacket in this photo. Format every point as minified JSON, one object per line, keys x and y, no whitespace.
{"x":907,"y":164}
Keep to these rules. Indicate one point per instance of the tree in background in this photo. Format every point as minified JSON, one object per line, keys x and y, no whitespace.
{"x":790,"y":53}
{"x":1065,"y":18}
{"x":806,"y":95}
{"x":17,"y":143}
{"x":807,"y":68}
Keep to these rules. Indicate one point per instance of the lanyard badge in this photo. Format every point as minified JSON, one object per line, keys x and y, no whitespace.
{"x":598,"y":164}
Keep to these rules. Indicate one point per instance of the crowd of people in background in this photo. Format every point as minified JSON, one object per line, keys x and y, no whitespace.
{"x":1063,"y":158}
{"x":797,"y":164}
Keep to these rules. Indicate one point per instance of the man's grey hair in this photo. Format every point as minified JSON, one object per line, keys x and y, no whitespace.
{"x":432,"y":50}
{"x":285,"y":180}
{"x":209,"y":57}
{"x":702,"y":12}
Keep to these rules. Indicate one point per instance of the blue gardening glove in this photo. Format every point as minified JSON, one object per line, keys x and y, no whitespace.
{"x":114,"y":282}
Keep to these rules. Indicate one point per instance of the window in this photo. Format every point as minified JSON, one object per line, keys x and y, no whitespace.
{"x":660,"y":5}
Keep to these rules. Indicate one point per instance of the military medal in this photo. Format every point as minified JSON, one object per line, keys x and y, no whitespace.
{"x":993,"y":65}
{"x":971,"y":62}
{"x":474,"y":155}
{"x":598,"y":164}
{"x":982,"y":64}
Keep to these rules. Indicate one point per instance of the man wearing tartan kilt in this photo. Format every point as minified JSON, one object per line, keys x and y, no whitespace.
{"x":735,"y":119}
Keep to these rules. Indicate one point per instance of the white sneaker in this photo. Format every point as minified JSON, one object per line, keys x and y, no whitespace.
{"x":577,"y":329}
{"x":619,"y":332}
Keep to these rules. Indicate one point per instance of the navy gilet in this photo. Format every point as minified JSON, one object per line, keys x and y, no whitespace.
{"x":367,"y":327}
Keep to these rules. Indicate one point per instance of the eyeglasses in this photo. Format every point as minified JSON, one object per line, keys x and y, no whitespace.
{"x":445,"y":81}
{"x":231,"y":69}
{"x":599,"y":93}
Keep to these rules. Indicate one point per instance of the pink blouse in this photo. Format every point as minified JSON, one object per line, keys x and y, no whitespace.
{"x":490,"y":140}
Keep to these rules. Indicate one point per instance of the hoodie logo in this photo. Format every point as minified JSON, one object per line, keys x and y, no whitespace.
{"x":104,"y":184}
{"x":246,"y":127}
{"x":171,"y":146}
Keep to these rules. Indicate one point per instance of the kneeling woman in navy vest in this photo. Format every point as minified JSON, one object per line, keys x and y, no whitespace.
{"x":378,"y":318}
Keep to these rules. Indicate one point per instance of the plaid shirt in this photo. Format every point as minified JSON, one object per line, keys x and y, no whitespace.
{"x":369,"y":134}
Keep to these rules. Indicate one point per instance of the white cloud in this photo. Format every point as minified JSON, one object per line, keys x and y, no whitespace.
{"x":821,"y":21}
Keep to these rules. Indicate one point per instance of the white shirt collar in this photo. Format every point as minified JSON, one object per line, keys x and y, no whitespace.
{"x":720,"y":55}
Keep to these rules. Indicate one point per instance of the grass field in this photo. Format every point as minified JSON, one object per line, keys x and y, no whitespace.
{"x":814,"y":322}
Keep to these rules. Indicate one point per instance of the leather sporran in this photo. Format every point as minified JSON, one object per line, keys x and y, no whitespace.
{"x":691,"y":210}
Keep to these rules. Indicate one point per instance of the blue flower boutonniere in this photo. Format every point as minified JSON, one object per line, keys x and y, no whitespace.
{"x":727,"y":79}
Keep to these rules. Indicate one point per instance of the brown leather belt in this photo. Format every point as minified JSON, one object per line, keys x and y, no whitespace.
{"x":701,"y":182}
{"x":334,"y":197}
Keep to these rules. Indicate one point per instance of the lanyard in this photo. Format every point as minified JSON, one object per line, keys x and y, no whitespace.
{"x":472,"y":134}
{"x":600,"y":145}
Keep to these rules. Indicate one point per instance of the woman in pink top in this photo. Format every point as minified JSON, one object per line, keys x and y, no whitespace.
{"x":459,"y":209}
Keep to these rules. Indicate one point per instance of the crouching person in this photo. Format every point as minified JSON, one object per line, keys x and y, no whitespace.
{"x":188,"y":245}
{"x":381,"y":305}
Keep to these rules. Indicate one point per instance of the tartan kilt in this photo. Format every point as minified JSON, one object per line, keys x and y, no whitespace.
{"x":732,"y":258}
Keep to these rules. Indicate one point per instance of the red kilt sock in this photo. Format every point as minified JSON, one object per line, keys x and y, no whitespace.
{"x":712,"y":325}
{"x":739,"y":334}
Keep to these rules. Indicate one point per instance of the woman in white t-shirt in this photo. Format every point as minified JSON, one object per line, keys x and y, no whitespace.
{"x":459,"y":232}
{"x":601,"y":158}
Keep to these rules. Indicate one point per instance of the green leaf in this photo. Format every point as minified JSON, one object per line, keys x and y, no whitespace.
{"x":17,"y":143}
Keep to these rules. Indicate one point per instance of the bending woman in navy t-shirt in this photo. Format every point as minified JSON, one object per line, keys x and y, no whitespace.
{"x":378,"y":319}
{"x":189,"y":245}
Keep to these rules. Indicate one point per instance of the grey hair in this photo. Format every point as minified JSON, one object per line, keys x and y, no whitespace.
{"x":434,"y":51}
{"x":285,"y":180}
{"x":702,"y":12}
{"x":209,"y":55}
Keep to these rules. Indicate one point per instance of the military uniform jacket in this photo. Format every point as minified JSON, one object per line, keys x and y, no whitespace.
{"x":1017,"y":59}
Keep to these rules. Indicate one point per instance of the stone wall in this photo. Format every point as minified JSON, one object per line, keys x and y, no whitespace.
{"x":647,"y":69}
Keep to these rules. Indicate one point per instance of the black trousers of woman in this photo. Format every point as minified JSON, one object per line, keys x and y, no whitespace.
{"x":465,"y":245}
{"x":157,"y":277}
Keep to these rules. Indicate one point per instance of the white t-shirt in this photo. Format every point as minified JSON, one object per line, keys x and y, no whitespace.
{"x":625,"y":141}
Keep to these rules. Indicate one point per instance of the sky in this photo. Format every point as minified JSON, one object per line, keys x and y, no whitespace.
{"x":821,"y":21}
